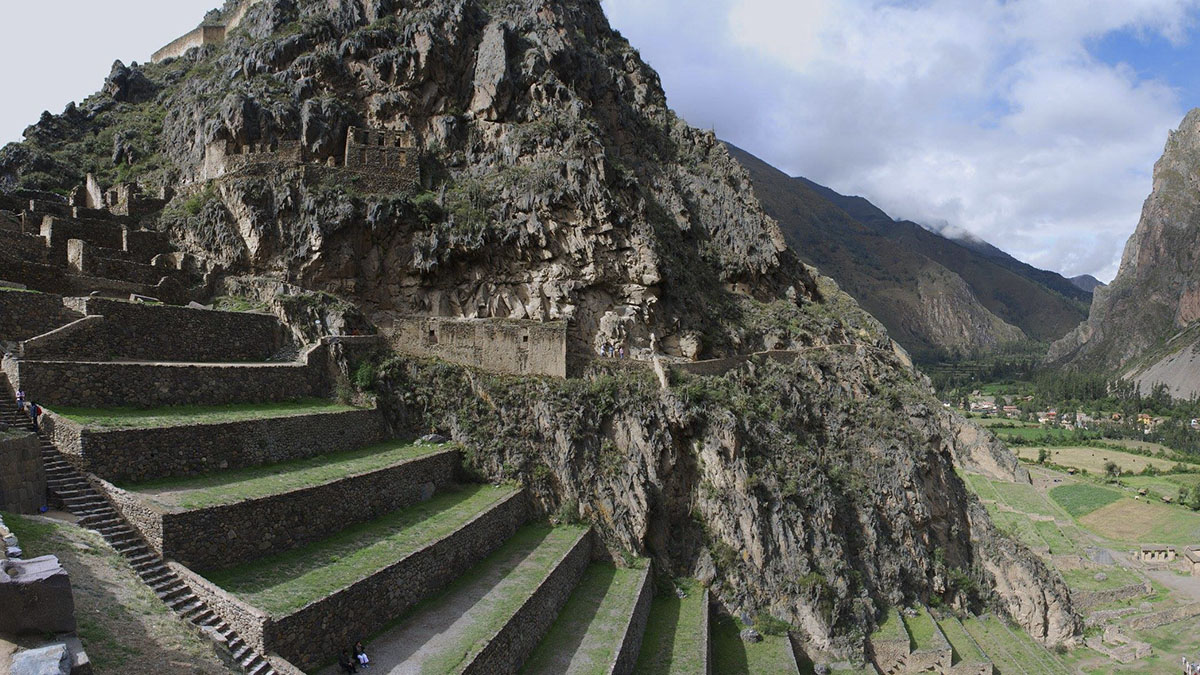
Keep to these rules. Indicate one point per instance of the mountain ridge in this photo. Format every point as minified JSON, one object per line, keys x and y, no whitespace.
{"x":938,"y":296}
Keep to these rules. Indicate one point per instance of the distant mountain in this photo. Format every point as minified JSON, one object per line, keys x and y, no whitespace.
{"x":1087,"y":282}
{"x":938,"y":296}
{"x":1145,"y":325}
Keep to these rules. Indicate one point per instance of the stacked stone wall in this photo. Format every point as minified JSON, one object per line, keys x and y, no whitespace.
{"x":507,"y":649}
{"x":1164,"y":617}
{"x":24,"y":314}
{"x":27,"y":246}
{"x":144,"y":332}
{"x":38,"y":276}
{"x":136,"y":455}
{"x":146,"y":385}
{"x":717,"y":367}
{"x":145,"y":518}
{"x":631,"y":641}
{"x":85,"y":259}
{"x":308,"y":636}
{"x":499,"y":345}
{"x":247,"y":621}
{"x":253,"y":528}
{"x":144,"y":244}
{"x":57,"y":231}
{"x":1085,"y":599}
{"x":22,"y":476}
{"x":197,"y":37}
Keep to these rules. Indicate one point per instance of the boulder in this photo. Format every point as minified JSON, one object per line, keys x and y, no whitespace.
{"x":36,"y":597}
{"x":51,"y":660}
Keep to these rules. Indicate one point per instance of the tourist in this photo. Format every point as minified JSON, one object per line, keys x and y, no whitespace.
{"x":21,"y":400}
{"x":346,"y":663}
{"x":361,"y":655}
{"x":34,"y":412}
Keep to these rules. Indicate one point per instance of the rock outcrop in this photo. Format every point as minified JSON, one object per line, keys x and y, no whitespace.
{"x":1141,"y":324}
{"x":555,"y":183}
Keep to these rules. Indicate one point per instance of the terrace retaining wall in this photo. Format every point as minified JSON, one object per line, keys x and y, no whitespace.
{"x":22,"y":475}
{"x":136,"y":455}
{"x":257,"y":527}
{"x":310,"y":635}
{"x":87,"y":384}
{"x":1085,"y":599}
{"x":505,"y":651}
{"x":24,"y":314}
{"x":631,"y":642}
{"x":138,"y":331}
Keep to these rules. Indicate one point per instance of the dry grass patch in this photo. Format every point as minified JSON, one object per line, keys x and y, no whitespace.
{"x":1136,"y":522}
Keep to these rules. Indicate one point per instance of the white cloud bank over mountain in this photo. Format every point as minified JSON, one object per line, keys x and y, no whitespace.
{"x":991,"y":115}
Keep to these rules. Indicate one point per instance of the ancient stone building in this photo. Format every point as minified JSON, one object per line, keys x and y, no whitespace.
{"x":211,"y":32}
{"x":1192,"y":556}
{"x":508,"y":346}
{"x":1155,"y":554}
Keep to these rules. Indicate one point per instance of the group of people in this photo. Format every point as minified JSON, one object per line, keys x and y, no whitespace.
{"x":351,"y":662}
{"x":33,"y":410}
{"x":1191,"y":667}
{"x":613,"y":352}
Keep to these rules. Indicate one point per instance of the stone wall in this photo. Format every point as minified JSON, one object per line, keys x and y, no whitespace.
{"x":58,"y":231}
{"x":143,"y":517}
{"x":148,"y":385}
{"x":247,"y":621}
{"x":1164,"y":617}
{"x":128,"y":330}
{"x":717,"y":367}
{"x":135,"y":455}
{"x":22,"y":476}
{"x":310,"y":635}
{"x":144,"y":244}
{"x":887,"y":655}
{"x":253,"y":528}
{"x":507,"y":649}
{"x":631,"y":641}
{"x":28,"y":246}
{"x":197,"y":37}
{"x":1085,"y":599}
{"x":83,"y":258}
{"x":510,"y":346}
{"x":24,"y":314}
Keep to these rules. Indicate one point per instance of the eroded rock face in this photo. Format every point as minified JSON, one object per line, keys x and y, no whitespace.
{"x":817,"y":491}
{"x":1155,"y":294}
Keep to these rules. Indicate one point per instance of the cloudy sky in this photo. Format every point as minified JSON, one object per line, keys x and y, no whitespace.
{"x":1031,"y":123}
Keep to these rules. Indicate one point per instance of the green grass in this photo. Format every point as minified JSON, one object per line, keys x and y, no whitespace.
{"x":981,"y":486}
{"x":539,"y":548}
{"x":120,"y":621}
{"x":674,"y":643}
{"x":1024,"y":498}
{"x":1050,"y":533}
{"x":1085,"y":579}
{"x":285,"y":582}
{"x":1019,"y":526}
{"x":1011,"y":650}
{"x":139,"y":418}
{"x":732,"y":656}
{"x":1053,"y":434}
{"x":228,"y":487}
{"x":1080,"y":499}
{"x":892,"y":628}
{"x":921,"y":630}
{"x":590,"y":625}
{"x":965,"y":649}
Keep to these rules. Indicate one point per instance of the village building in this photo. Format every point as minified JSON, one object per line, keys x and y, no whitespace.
{"x":1155,"y":554}
{"x":1192,"y":556}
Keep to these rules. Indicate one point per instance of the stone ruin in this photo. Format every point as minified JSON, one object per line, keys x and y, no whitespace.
{"x":508,"y":346}
{"x":211,"y":32}
{"x":374,"y":160}
{"x":1155,"y":554}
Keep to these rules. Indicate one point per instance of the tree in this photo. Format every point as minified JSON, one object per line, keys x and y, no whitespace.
{"x":1043,"y":455}
{"x":1111,"y":469}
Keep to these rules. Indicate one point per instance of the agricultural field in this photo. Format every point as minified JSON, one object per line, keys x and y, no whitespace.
{"x":1093,"y":460}
{"x":1061,"y":516}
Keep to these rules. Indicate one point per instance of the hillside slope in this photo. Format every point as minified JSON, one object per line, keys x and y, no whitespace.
{"x":1144,"y":324}
{"x":556,"y":184}
{"x":937,"y":296}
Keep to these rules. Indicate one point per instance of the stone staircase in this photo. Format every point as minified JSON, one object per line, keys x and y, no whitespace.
{"x":68,"y":488}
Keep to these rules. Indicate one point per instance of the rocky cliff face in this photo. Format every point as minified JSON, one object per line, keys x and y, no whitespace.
{"x":556,"y":184}
{"x":1156,"y":294}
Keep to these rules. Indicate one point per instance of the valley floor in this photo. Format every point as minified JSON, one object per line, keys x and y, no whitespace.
{"x":1088,"y":531}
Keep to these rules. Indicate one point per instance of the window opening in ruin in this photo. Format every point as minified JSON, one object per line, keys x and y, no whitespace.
{"x":433,"y":336}
{"x":524,"y":338}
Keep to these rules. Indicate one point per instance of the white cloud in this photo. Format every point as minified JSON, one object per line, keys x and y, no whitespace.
{"x":987,"y":114}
